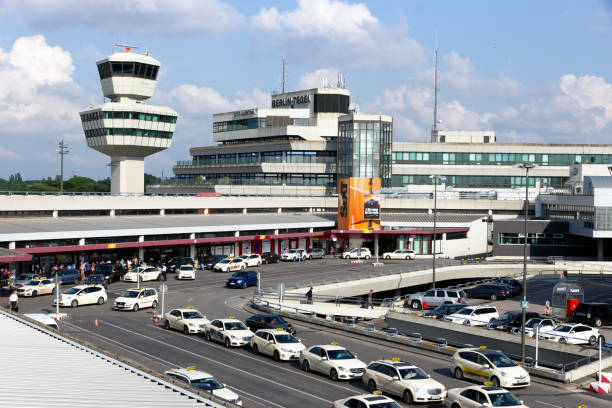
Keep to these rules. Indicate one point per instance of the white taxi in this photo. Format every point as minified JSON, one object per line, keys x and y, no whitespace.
{"x":231,"y":332}
{"x":82,"y":295}
{"x":404,"y":380}
{"x":147,"y":273}
{"x":188,"y":320}
{"x":482,"y":396}
{"x":203,"y":381}
{"x":134,"y":299}
{"x":400,"y":254}
{"x":375,"y":400}
{"x":229,"y":265}
{"x":333,"y":360}
{"x":36,"y":287}
{"x":488,"y":365}
{"x":251,"y":259}
{"x":278,"y":343}
{"x":572,"y":333}
{"x":186,"y":272}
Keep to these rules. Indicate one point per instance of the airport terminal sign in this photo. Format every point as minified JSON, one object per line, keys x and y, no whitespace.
{"x":290,"y":101}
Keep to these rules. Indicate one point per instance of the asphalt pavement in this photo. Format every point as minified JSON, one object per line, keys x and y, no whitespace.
{"x":259,"y":380}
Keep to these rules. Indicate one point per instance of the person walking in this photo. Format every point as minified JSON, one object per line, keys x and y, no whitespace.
{"x":14,"y":302}
{"x":309,"y":296}
{"x":164,"y":270}
{"x":370,"y":295}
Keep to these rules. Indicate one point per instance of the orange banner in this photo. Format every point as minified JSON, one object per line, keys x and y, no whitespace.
{"x":359,"y":203}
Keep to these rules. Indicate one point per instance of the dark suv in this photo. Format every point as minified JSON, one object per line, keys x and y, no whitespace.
{"x":491,"y":291}
{"x":595,"y":314}
{"x":111,"y":272}
{"x":176,"y":263}
{"x":443,"y":310}
{"x":510,"y":320}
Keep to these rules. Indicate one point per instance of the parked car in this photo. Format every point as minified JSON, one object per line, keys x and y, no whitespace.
{"x":443,"y":310}
{"x":202,"y":381}
{"x":292,"y":255}
{"x":403,"y":379}
{"x":493,"y":291}
{"x":229,"y":264}
{"x":511,"y":320}
{"x":174,"y":264}
{"x":242,"y":279}
{"x":333,"y":360}
{"x":69,"y":276}
{"x":111,"y":272}
{"x":596,"y":314}
{"x":82,"y":295}
{"x":252,"y":260}
{"x":506,"y":280}
{"x":278,"y":344}
{"x":96,"y":279}
{"x":36,"y":287}
{"x":210,"y":261}
{"x":572,"y":333}
{"x":488,"y":365}
{"x":316,"y":253}
{"x":543,"y":325}
{"x":400,"y":254}
{"x":357,"y":253}
{"x":482,"y":396}
{"x":473,"y":315}
{"x":434,"y":298}
{"x":266,"y":321}
{"x":269,"y":257}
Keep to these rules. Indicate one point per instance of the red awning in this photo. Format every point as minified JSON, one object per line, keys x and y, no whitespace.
{"x":8,"y":256}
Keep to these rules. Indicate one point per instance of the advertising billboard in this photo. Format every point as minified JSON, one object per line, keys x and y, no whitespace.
{"x":359,"y":203}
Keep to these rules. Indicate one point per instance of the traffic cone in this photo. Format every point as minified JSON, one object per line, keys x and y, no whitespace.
{"x":96,"y":323}
{"x":156,"y":319}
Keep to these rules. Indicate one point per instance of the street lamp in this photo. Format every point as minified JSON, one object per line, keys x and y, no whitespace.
{"x":436,"y":179}
{"x":525,"y":166}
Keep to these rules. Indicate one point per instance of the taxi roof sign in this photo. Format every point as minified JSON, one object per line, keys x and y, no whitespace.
{"x":231,"y":317}
{"x":279,"y":329}
{"x":488,"y":383}
{"x":396,"y":359}
{"x":377,"y":392}
{"x":483,"y":347}
{"x":190,"y":368}
{"x":188,"y":307}
{"x":334,"y":343}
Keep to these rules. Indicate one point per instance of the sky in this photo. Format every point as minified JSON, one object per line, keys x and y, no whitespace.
{"x":532,"y":71}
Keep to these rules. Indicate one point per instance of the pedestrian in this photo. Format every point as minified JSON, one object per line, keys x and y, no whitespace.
{"x":14,"y":302}
{"x":291,"y":330}
{"x":164,"y":270}
{"x":370,"y":304}
{"x":309,"y":296}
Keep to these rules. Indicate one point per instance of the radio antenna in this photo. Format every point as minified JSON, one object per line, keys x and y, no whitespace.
{"x":284,"y":77}
{"x":435,"y":113}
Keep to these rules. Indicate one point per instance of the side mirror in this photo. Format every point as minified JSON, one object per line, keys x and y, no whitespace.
{"x":323,"y":358}
{"x":487,"y":366}
{"x":271,"y":341}
{"x":299,"y":340}
{"x":221,"y":329}
{"x":395,"y":377}
{"x":486,"y":404}
{"x":428,"y":376}
{"x":521,"y":401}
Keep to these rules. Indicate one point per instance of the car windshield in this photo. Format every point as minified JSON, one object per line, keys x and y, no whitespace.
{"x":207,"y":383}
{"x":500,"y":360}
{"x":291,"y":251}
{"x":532,"y":322}
{"x":285,"y":338}
{"x":234,"y":326}
{"x":504,"y":399}
{"x":563,"y":328}
{"x":32,"y":283}
{"x":186,"y":268}
{"x":274,"y":320}
{"x":192,"y":315}
{"x":340,"y":355}
{"x":130,"y":293}
{"x":239,"y":275}
{"x":413,"y":373}
{"x":95,"y":278}
{"x":26,"y":277}
{"x":224,"y":261}
{"x":388,"y":404}
{"x":507,"y":316}
{"x":72,"y":291}
{"x":464,"y":311}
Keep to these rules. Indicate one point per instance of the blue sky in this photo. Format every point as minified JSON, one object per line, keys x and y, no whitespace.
{"x":533,"y":71}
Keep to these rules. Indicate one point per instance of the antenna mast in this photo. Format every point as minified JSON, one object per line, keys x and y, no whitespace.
{"x":284,"y":78}
{"x":435,"y":118}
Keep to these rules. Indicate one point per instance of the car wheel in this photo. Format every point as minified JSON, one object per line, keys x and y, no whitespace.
{"x":495,"y":381}
{"x":306,"y":366}
{"x":407,"y":258}
{"x":347,"y":257}
{"x":458,"y":373}
{"x":242,"y":267}
{"x":592,"y":341}
{"x":597,"y":322}
{"x":367,"y":257}
{"x":371,"y":386}
{"x":154,"y":304}
{"x":276,"y":356}
{"x":466,"y":322}
{"x":136,"y":307}
{"x":159,"y":278}
{"x":227,"y":342}
{"x":387,"y":257}
{"x":167,"y":325}
{"x":34,"y":293}
{"x":493,"y":296}
{"x":408,"y":397}
{"x":100,"y":300}
{"x":563,"y":340}
{"x":244,"y":285}
{"x":455,"y":405}
{"x":333,"y":374}
{"x":255,"y":349}
{"x":208,"y":337}
{"x":185,"y":330}
{"x":416,"y":305}
{"x":74,"y":303}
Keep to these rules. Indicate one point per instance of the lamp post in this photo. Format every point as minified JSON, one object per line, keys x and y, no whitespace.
{"x":525,"y":166}
{"x":435,"y":179}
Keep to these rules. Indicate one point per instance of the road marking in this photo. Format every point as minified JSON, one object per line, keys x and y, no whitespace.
{"x":162,"y":360}
{"x":227,"y":365}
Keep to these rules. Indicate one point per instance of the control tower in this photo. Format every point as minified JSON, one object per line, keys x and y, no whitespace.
{"x":126,"y":129}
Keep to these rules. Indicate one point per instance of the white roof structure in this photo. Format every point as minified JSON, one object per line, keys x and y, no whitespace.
{"x":85,"y":377}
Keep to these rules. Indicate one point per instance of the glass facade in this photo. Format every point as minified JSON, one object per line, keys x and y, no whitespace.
{"x":153,"y":117}
{"x":398,"y":180}
{"x":133,"y":69}
{"x":514,"y":238}
{"x":128,"y":132}
{"x":497,"y":159}
{"x":328,"y":180}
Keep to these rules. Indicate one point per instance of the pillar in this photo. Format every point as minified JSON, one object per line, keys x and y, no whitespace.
{"x":600,"y":249}
{"x":111,"y":213}
{"x":192,"y":249}
{"x":82,"y":241}
{"x":206,"y":211}
{"x":162,"y":212}
{"x":141,"y":249}
{"x":12,"y":245}
{"x":244,"y":210}
{"x":280,"y":210}
{"x":55,"y":213}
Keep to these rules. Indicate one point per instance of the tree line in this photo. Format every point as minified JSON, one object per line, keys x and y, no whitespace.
{"x":74,"y":184}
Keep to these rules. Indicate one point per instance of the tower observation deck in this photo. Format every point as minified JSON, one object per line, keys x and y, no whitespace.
{"x":126,"y":128}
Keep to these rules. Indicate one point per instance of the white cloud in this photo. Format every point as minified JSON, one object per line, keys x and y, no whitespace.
{"x":320,"y":31}
{"x":590,"y":93}
{"x":10,"y":155}
{"x":315,"y":79}
{"x":146,"y":16}
{"x":191,"y":99}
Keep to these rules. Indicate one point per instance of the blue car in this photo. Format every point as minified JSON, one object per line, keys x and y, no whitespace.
{"x":69,"y":276}
{"x":242,"y":279}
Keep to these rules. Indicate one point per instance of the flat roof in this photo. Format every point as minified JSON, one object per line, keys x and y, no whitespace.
{"x":87,"y":377}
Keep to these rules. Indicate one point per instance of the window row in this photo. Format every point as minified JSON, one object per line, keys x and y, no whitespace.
{"x":153,"y":117}
{"x":259,"y":179}
{"x":128,"y":132}
{"x":480,"y":181}
{"x":514,"y":238}
{"x":315,"y":157}
{"x":504,"y":159}
{"x":135,"y":69}
{"x":254,"y":123}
